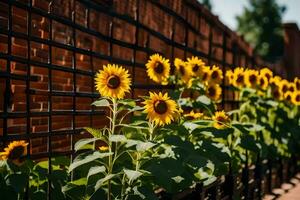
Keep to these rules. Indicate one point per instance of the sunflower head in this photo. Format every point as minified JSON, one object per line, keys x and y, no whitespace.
{"x":288,"y":96}
{"x":275,"y":81}
{"x":206,"y":74}
{"x":220,"y":119}
{"x":284,"y":85}
{"x":292,"y":87}
{"x":194,"y":115}
{"x":158,"y":69}
{"x":182,"y":70}
{"x":266,"y":72}
{"x":251,"y":78}
{"x":160,"y":108}
{"x":229,"y":77}
{"x":196,"y":66}
{"x":263,"y":82}
{"x":296,"y":98}
{"x":239,"y":77}
{"x":213,"y":91}
{"x":216,"y":75}
{"x":15,"y":152}
{"x":277,"y":92}
{"x":297,"y":83}
{"x":113,"y":81}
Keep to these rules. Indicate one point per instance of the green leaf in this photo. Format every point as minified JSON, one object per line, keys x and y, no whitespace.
{"x":97,"y":133}
{"x":96,"y":170}
{"x":101,"y":103}
{"x":144,"y":146}
{"x":17,"y":181}
{"x":75,"y":189}
{"x":82,"y":144}
{"x":132,"y":174}
{"x":204,"y":100}
{"x":117,"y":138}
{"x":103,"y":180}
{"x":89,"y":158}
{"x":127,"y":102}
{"x":248,"y":142}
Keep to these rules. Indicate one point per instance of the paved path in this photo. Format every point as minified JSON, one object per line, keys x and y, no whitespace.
{"x":293,"y":194}
{"x":287,"y":191}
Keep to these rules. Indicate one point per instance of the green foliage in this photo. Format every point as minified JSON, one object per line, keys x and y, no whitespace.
{"x":261,"y":26}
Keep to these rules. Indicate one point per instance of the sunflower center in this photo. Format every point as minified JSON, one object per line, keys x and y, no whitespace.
{"x":181,"y":69}
{"x":288,"y":97}
{"x":252,"y":79}
{"x":284,"y":88}
{"x":240,"y":79}
{"x":298,"y":98}
{"x":196,"y":68}
{"x":16,"y":153}
{"x":211,"y":91}
{"x":292,"y":89}
{"x":221,"y":120}
{"x":205,"y":76}
{"x":113,"y":82}
{"x":268,"y":76}
{"x":159,"y":68}
{"x":214,"y":75}
{"x":262,"y":81}
{"x":160,"y":107}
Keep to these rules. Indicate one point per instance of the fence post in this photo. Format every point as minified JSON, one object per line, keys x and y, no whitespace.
{"x":245,"y":177}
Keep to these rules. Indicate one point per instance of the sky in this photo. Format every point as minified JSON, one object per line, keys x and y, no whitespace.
{"x":228,"y":9}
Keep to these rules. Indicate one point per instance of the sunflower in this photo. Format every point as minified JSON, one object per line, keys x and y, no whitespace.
{"x":277,"y":92}
{"x":220,"y":119}
{"x":158,"y":69}
{"x":182,"y":70}
{"x":284,"y":85}
{"x":266,"y":72}
{"x":193,"y":115}
{"x":238,"y":77}
{"x":275,"y":80}
{"x":263,"y":82}
{"x":160,"y":108}
{"x":251,"y":78}
{"x":206,"y":74}
{"x":297,"y":83}
{"x":216,"y":75}
{"x":296,"y":98}
{"x":292,"y":87}
{"x":15,"y":152}
{"x":196,"y":66}
{"x":288,"y":96}
{"x":113,"y":81}
{"x":229,"y":77}
{"x":213,"y":91}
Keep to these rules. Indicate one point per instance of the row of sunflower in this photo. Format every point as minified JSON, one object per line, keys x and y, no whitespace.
{"x":168,"y":140}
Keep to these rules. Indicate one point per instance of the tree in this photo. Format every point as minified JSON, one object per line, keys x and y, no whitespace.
{"x":206,"y":3}
{"x":261,"y":26}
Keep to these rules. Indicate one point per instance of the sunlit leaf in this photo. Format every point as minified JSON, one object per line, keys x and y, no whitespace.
{"x":96,"y":170}
{"x":101,"y":103}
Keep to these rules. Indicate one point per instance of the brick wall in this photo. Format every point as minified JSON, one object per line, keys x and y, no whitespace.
{"x":50,"y":51}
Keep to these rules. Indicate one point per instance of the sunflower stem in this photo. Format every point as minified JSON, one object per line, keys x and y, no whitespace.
{"x":111,"y":132}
